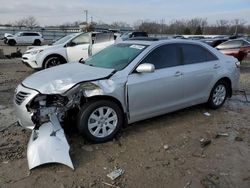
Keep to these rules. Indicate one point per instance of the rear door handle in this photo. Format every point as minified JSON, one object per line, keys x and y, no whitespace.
{"x":178,"y":73}
{"x":216,"y":66}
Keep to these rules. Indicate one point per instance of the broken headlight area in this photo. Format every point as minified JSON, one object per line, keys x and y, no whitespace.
{"x":48,"y":100}
{"x":44,"y":105}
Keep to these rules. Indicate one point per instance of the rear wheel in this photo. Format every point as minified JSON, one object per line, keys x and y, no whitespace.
{"x":100,"y":120}
{"x":218,"y":95}
{"x":53,"y":61}
{"x":12,"y":42}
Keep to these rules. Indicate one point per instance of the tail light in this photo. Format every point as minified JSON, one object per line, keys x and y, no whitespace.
{"x":237,"y":64}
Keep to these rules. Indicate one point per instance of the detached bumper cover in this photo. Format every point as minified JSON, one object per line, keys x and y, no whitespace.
{"x":48,"y":144}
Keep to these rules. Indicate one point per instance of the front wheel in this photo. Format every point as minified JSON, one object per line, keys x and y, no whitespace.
{"x":52,"y":61}
{"x":218,"y":95}
{"x":99,"y":121}
{"x":12,"y":42}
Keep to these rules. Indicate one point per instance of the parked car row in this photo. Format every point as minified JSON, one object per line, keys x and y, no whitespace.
{"x":70,"y":48}
{"x":233,"y":46}
{"x":239,"y":48}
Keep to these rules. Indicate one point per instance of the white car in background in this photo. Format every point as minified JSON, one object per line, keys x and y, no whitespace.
{"x":34,"y":38}
{"x":70,"y":48}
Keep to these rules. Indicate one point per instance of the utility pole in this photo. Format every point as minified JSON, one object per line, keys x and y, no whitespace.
{"x":91,"y":19}
{"x":86,"y":13}
{"x":162,"y":25}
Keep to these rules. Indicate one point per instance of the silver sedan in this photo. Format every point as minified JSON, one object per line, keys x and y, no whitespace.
{"x":124,"y":83}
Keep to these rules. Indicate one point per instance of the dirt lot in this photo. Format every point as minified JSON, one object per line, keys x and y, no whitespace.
{"x":160,"y":152}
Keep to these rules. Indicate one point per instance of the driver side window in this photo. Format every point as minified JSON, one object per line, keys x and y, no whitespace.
{"x":164,"y":56}
{"x":82,"y":39}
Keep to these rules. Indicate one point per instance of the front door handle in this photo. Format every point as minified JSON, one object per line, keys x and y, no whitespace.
{"x":178,"y":73}
{"x":216,"y":66}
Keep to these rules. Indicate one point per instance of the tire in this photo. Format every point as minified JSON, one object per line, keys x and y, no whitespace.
{"x":37,"y":42}
{"x":12,"y":42}
{"x":91,"y":124}
{"x":218,"y":95}
{"x":53,"y":61}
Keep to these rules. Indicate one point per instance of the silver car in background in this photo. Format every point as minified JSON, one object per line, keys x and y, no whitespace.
{"x":124,"y":83}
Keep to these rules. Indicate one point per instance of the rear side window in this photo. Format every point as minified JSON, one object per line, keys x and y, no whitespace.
{"x":196,"y":54}
{"x":139,"y":34}
{"x":103,"y":37}
{"x":164,"y":56}
{"x":245,"y":43}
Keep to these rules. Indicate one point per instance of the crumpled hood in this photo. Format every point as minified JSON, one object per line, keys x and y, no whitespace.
{"x":61,"y":78}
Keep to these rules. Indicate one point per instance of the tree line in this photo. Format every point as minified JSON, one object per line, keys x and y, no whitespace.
{"x":195,"y":26}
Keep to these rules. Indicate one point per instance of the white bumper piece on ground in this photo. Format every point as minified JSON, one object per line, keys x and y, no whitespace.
{"x":48,"y":144}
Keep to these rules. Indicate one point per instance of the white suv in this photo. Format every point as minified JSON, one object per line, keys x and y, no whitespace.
{"x":34,"y":38}
{"x":70,"y":48}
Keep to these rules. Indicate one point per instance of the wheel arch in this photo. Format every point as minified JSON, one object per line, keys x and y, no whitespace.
{"x":53,"y":55}
{"x":229,"y":82}
{"x":9,"y":40}
{"x":109,"y":98}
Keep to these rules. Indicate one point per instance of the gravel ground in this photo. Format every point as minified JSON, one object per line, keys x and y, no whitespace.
{"x":160,"y":152}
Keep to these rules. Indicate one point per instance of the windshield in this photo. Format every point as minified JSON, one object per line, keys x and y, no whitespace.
{"x":65,"y":39}
{"x":116,"y":56}
{"x":18,"y":34}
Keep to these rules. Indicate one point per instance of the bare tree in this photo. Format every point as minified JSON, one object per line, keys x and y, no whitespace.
{"x":119,"y":24}
{"x":19,"y":23}
{"x":30,"y":22}
{"x":223,"y":26}
{"x":238,"y":24}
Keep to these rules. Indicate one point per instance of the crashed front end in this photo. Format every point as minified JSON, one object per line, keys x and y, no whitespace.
{"x":45,"y":115}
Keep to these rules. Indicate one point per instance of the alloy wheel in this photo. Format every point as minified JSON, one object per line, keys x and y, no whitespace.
{"x":102,"y":122}
{"x":219,"y":94}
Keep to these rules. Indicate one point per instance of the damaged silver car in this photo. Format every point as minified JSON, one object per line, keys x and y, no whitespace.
{"x":124,"y":83}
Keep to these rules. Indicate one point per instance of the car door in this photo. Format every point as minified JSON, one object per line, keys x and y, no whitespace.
{"x":151,"y":94}
{"x":200,"y":69}
{"x":78,"y":47}
{"x":101,"y":41}
{"x":20,"y":38}
{"x":26,"y":38}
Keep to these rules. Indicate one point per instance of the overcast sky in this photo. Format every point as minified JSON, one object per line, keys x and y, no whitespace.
{"x":49,"y":12}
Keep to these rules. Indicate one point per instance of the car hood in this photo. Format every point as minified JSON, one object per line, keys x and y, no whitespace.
{"x":8,"y":35}
{"x":44,"y":47}
{"x":61,"y":78}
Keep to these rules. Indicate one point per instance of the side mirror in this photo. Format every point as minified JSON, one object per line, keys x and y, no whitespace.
{"x":145,"y":68}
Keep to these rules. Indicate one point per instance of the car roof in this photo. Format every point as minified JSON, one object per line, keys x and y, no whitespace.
{"x":167,"y":41}
{"x":29,"y":32}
